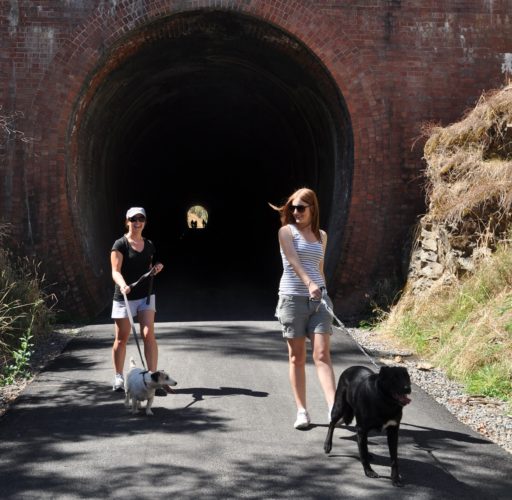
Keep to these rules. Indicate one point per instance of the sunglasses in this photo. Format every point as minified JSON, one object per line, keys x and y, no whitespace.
{"x":299,"y":208}
{"x":137,"y":218}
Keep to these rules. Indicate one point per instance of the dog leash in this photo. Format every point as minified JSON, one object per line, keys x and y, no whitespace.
{"x":143,"y":379}
{"x":342,"y":326}
{"x":151,"y":273}
{"x":133,"y":327}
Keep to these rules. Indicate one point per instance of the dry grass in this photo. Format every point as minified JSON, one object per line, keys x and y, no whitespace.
{"x":469,"y":166}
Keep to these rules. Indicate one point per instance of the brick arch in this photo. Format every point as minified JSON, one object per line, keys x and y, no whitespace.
{"x":77,"y":71}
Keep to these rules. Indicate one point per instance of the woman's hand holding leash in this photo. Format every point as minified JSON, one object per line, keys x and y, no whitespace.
{"x":315,"y":292}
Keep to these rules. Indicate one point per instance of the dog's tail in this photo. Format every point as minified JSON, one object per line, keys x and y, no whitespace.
{"x":132,"y":363}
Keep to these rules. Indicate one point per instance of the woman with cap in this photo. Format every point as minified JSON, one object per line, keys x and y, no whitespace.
{"x":299,"y":309}
{"x":131,"y":257}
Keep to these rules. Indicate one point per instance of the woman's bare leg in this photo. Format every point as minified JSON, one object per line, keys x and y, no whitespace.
{"x":122,"y":332}
{"x":321,"y":343}
{"x":297,"y":370}
{"x":147,"y":330}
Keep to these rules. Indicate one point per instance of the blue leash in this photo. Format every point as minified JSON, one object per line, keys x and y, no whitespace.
{"x":342,"y":326}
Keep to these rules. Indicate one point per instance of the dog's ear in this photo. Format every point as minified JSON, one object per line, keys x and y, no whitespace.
{"x":155,"y":376}
{"x":384,"y":370}
{"x":406,"y":375}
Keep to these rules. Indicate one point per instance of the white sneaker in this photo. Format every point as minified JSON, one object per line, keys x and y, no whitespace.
{"x":118,"y":385}
{"x":303,"y":420}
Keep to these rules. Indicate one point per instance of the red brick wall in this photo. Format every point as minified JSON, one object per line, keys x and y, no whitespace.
{"x":398,"y":64}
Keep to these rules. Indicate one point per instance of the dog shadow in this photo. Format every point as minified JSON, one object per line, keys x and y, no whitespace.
{"x":426,"y":470}
{"x":426,"y":438}
{"x":199,"y":393}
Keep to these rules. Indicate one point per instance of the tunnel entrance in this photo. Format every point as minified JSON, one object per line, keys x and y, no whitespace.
{"x":220,"y":110}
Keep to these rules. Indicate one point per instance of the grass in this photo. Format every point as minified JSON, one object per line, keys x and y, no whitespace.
{"x":465,"y":328}
{"x":26,"y":311}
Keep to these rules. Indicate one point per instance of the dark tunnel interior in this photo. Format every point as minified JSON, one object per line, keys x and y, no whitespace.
{"x":228,"y":113}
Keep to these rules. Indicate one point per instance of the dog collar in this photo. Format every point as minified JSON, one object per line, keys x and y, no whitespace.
{"x":143,"y":379}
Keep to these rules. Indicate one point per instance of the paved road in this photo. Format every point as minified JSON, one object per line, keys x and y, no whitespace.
{"x":227,"y":433}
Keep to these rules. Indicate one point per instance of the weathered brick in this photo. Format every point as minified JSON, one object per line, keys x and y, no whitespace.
{"x":397,"y":65}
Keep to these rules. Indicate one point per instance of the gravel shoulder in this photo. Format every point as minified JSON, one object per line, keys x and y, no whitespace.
{"x":44,"y":350}
{"x":489,"y":417}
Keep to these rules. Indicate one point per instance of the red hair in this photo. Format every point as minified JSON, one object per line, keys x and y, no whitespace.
{"x":309,"y":197}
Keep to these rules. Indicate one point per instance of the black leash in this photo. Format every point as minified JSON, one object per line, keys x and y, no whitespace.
{"x":342,"y":326}
{"x":133,"y":328}
{"x":143,"y":379}
{"x":150,"y":273}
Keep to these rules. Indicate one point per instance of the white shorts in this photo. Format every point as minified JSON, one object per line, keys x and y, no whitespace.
{"x":119,"y":308}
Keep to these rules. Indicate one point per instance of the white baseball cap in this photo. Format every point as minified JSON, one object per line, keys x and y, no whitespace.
{"x":134,"y":211}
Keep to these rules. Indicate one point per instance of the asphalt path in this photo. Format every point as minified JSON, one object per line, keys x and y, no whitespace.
{"x":226,"y":433}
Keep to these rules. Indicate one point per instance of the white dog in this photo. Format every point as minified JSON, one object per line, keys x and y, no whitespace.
{"x":141,"y":386}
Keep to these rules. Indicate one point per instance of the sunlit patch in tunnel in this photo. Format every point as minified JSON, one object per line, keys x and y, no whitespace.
{"x":197,"y":217}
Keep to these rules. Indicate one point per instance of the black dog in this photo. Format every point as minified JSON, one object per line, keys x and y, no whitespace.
{"x":376,"y":400}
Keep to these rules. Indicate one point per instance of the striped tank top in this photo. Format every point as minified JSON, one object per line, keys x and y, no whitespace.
{"x":310,"y":255}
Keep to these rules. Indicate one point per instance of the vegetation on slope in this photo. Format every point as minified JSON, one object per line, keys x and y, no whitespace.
{"x":25,"y":311}
{"x":461,"y":317}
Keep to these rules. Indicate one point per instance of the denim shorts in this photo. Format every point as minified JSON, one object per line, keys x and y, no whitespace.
{"x":119,"y":309}
{"x":301,"y":317}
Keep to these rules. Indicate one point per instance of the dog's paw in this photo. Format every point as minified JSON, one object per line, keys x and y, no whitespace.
{"x":397,"y":481}
{"x":149,"y":412}
{"x":371,"y":473}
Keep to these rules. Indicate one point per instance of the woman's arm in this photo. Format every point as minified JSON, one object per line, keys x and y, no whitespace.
{"x":286,"y":242}
{"x":157,"y":266}
{"x":324,"y":244}
{"x":116,"y":260}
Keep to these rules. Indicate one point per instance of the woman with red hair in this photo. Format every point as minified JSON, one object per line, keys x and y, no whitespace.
{"x":299,"y":309}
